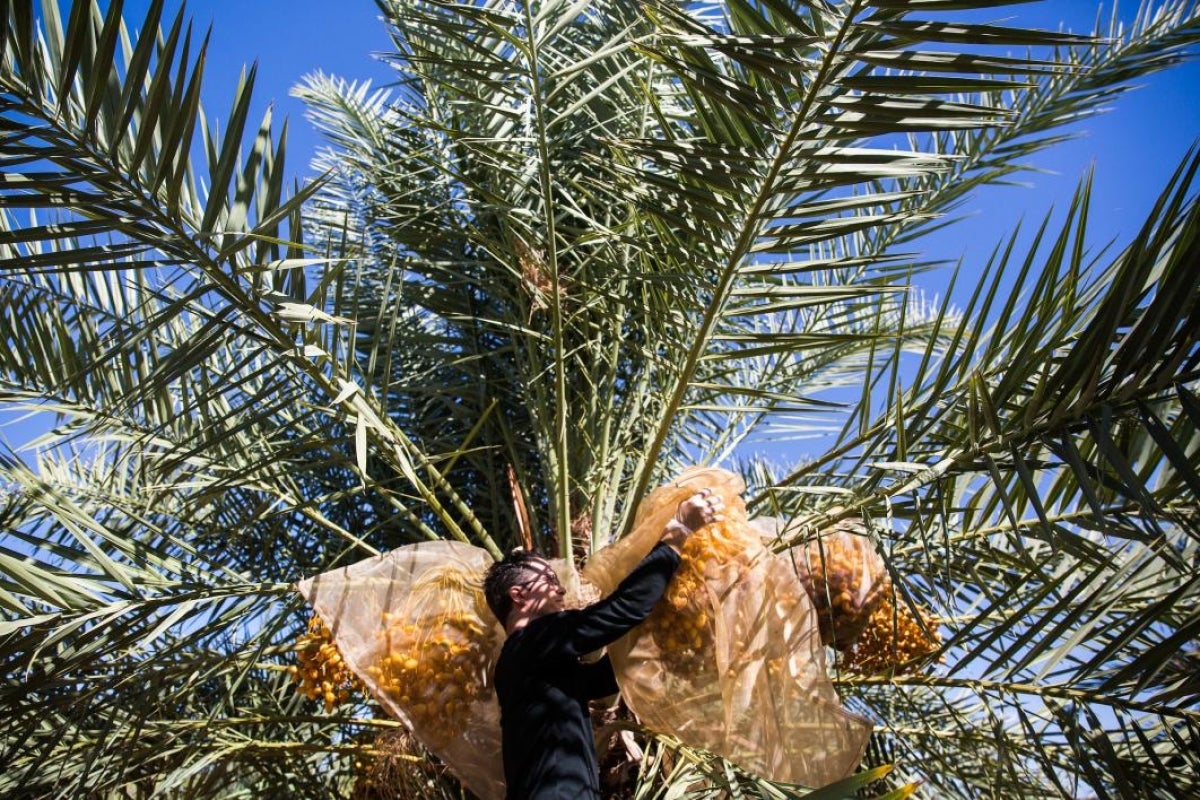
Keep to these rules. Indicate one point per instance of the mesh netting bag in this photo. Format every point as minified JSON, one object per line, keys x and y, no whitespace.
{"x":413,"y":625}
{"x":731,"y":660}
{"x":845,"y":578}
{"x":609,"y":566}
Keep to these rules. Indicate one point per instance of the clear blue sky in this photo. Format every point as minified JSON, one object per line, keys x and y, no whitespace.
{"x":1134,"y":147}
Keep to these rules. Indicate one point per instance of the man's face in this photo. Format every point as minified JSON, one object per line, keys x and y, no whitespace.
{"x":539,"y":592}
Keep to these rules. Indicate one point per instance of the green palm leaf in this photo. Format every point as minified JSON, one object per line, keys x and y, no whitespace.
{"x":590,"y":243}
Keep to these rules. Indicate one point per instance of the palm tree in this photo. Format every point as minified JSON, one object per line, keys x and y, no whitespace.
{"x":585,"y":245}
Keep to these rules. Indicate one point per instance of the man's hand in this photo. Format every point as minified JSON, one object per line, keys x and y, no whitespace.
{"x":700,"y":509}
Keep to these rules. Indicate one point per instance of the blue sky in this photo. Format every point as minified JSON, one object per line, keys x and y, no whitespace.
{"x":1134,"y":147}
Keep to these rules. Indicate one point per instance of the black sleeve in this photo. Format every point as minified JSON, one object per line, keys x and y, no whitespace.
{"x":602,"y":623}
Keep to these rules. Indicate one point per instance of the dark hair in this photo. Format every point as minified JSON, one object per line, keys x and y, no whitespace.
{"x":502,"y":576}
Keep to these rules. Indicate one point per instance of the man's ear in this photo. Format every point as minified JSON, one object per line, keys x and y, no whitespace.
{"x":514,"y":594}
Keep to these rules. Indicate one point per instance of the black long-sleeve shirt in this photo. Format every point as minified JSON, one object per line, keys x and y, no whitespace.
{"x":546,"y":731}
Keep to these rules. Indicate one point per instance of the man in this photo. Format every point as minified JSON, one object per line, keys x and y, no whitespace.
{"x":543,"y":687}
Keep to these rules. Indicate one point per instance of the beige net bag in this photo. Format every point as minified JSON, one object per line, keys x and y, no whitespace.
{"x":414,"y":626}
{"x":846,"y":579}
{"x":732,"y":661}
{"x":609,"y":566}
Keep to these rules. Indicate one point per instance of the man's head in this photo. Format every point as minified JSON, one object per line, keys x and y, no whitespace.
{"x":525,"y":583}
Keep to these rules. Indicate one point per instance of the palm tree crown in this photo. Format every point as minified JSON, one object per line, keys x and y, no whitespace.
{"x":576,"y":248}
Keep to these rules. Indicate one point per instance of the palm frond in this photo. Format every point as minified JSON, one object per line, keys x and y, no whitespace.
{"x":585,"y":245}
{"x":1037,"y":506}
